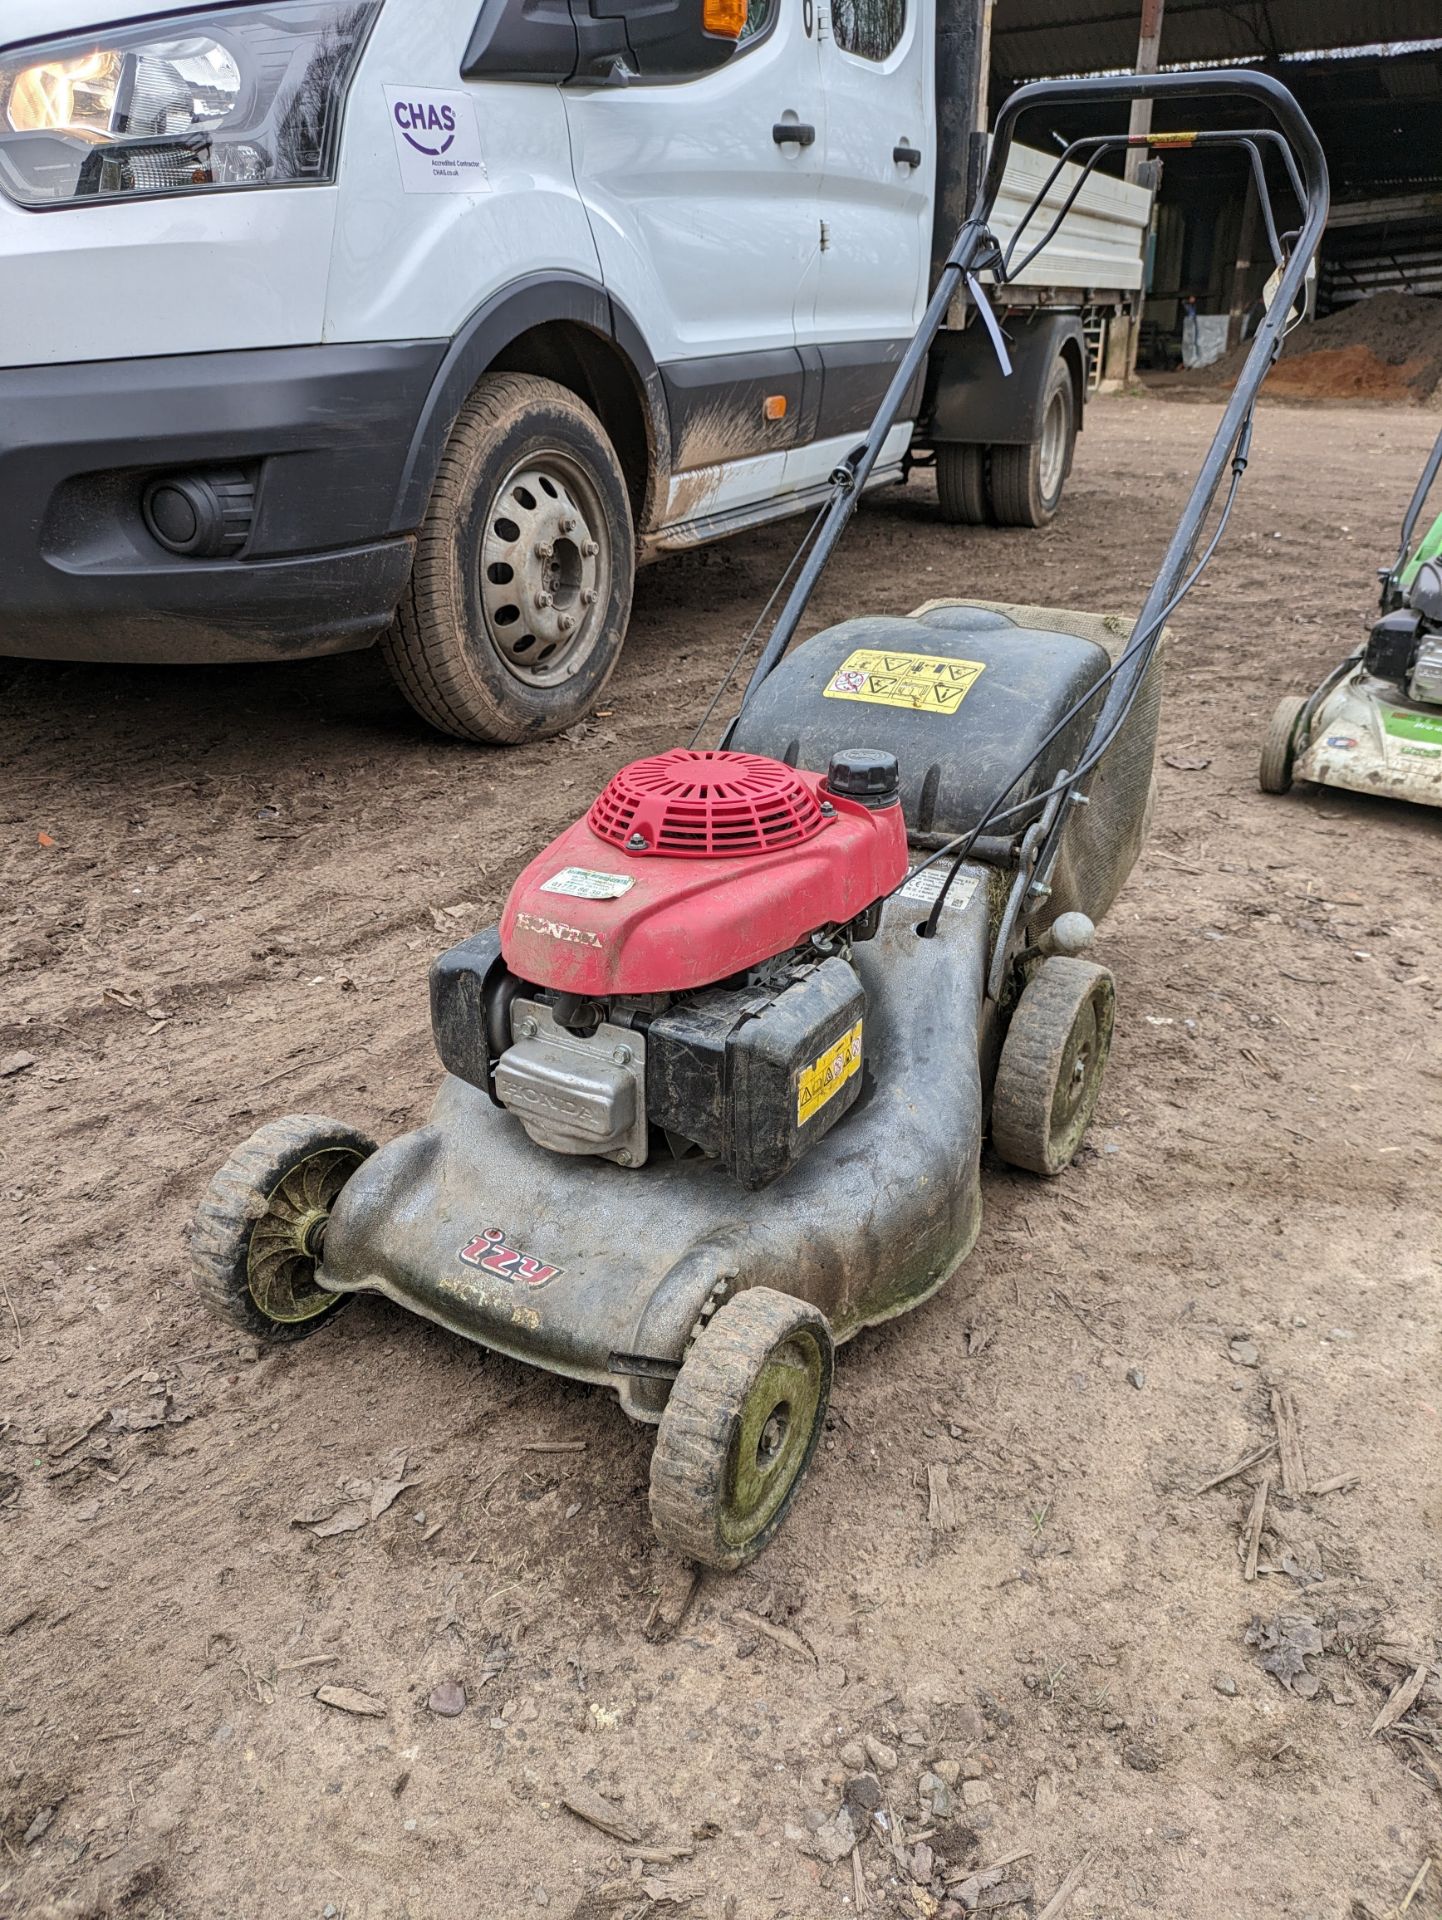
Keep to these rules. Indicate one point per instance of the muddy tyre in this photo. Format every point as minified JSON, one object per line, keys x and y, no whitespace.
{"x":1052,"y":1063}
{"x":521,"y":590}
{"x":1026,"y":482}
{"x":256,"y":1237}
{"x":740,"y":1427}
{"x":1279,"y":749}
{"x":961,"y":485}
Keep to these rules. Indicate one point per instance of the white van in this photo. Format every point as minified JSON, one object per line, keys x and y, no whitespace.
{"x":325,"y":322}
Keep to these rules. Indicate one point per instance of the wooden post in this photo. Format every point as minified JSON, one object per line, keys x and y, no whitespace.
{"x":1242,"y":293}
{"x":1149,"y":48}
{"x":1138,"y":166}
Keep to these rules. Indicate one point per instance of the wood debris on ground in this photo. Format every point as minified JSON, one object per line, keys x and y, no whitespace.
{"x":1400,"y":1701}
{"x":1255,"y":1522}
{"x":783,"y":1636}
{"x":1289,"y":1443}
{"x":351,"y":1700}
{"x":590,"y":1806}
{"x":940,"y":1500}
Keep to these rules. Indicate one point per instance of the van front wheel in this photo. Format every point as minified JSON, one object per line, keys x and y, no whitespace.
{"x":521,"y":589}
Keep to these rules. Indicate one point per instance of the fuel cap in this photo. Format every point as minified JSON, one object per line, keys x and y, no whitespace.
{"x":867,"y":774}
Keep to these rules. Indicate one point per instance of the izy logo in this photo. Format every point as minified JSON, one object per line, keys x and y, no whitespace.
{"x":438,"y":142}
{"x":414,"y":116}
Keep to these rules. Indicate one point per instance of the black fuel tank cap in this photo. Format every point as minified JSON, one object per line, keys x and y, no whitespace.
{"x":867,"y":774}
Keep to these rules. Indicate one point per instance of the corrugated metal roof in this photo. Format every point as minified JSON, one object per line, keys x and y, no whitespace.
{"x":1033,"y":39}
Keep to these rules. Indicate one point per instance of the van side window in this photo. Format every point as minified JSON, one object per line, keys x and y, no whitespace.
{"x":759,"y":16}
{"x":870,"y":28}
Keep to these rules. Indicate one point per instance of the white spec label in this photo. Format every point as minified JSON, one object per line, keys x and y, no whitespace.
{"x":925,"y":883}
{"x":586,"y":883}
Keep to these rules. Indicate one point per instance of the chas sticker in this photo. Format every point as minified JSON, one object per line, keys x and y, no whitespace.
{"x":438,"y":141}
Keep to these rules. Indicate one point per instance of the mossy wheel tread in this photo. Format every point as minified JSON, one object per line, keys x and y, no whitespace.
{"x":520,"y":592}
{"x":961,"y":484}
{"x":255,"y":1239}
{"x":1279,"y":749}
{"x":740,"y":1427}
{"x":1052,"y":1063}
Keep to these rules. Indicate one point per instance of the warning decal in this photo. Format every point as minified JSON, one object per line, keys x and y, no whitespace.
{"x":827,"y":1075}
{"x":925,"y":682}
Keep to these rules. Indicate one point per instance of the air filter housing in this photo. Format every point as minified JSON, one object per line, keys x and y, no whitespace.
{"x":706,"y":804}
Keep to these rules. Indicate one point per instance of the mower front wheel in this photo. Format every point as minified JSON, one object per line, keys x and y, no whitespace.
{"x":1279,"y":749}
{"x":255,"y":1243}
{"x":740,"y":1427}
{"x":1052,"y":1063}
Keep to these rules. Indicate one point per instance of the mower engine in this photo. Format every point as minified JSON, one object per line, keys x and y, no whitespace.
{"x":1405,"y":646}
{"x":679,"y":961}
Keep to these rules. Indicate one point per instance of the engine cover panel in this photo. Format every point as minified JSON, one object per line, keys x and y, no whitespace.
{"x":670,"y":925}
{"x":758,"y":1076}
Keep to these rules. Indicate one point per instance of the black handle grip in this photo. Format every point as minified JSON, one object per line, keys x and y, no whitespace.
{"x":793,"y":131}
{"x":905,"y":156}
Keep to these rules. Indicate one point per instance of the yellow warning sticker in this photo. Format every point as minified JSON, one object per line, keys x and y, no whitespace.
{"x":925,"y":682}
{"x":827,"y":1075}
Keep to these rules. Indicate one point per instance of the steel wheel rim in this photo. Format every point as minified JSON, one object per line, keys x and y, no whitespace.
{"x":771,"y":1440}
{"x":1053,"y":445}
{"x":285,"y":1241}
{"x":545,"y":568}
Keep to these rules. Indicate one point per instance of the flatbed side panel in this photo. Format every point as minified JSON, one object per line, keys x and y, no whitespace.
{"x":1101,"y":242}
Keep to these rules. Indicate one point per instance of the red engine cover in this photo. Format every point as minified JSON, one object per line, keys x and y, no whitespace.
{"x":693,"y":866}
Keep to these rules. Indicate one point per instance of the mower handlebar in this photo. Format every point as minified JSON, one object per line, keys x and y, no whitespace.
{"x":1224,"y":82}
{"x":974,"y":248}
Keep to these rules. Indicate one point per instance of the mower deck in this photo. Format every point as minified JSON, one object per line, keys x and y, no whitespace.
{"x":1367,"y":739}
{"x":605,"y":1273}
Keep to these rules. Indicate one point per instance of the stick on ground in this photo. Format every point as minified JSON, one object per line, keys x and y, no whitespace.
{"x":1062,"y":1898}
{"x":1399,"y":1701}
{"x":783,"y":1636}
{"x":1289,"y":1443}
{"x":1255,"y":1520}
{"x":599,"y":1813}
{"x":1230,"y":1473}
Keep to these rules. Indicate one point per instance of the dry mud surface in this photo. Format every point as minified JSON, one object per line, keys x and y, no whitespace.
{"x":222,"y":890}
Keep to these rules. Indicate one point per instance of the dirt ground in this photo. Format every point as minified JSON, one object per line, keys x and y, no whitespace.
{"x":222,"y":890}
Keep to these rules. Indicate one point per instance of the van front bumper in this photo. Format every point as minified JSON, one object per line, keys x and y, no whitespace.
{"x":313,"y":442}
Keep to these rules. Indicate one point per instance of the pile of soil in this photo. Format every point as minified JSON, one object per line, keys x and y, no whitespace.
{"x":1386,"y":348}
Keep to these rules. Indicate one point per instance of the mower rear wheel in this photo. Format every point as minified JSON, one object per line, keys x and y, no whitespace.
{"x":740,"y":1427}
{"x":961,"y":484}
{"x":1279,"y":749}
{"x":256,"y":1239}
{"x":1052,"y":1063}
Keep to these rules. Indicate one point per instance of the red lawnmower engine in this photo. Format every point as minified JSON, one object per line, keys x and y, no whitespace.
{"x":678,"y":963}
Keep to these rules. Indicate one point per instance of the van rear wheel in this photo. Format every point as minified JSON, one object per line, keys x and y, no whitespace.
{"x":961,"y":484}
{"x":1026,"y":482}
{"x":521,"y":590}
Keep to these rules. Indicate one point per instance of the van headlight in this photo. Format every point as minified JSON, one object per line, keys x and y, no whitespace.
{"x":247,"y":96}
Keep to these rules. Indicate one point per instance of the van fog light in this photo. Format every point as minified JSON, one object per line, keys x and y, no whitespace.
{"x":204,"y":516}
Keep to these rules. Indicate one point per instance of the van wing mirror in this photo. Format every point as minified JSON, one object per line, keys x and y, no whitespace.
{"x":601,"y":42}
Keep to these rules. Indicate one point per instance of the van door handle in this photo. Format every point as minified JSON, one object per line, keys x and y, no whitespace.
{"x":794,"y":130}
{"x":905,"y":156}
